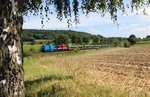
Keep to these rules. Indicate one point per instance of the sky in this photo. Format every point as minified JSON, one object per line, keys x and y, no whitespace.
{"x":131,"y":23}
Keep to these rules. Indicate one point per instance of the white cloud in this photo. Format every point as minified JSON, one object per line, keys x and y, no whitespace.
{"x":137,"y":29}
{"x":141,"y":29}
{"x":94,"y":30}
{"x":94,"y":19}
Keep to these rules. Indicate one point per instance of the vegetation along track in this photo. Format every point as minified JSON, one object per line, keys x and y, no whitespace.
{"x":127,"y":69}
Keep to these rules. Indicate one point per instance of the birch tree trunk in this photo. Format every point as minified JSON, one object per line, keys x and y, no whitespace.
{"x":11,"y":67}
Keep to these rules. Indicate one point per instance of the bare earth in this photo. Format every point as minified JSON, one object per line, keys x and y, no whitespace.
{"x":127,"y":69}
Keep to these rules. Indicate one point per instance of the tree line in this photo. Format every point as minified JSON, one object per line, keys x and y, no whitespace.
{"x":77,"y":38}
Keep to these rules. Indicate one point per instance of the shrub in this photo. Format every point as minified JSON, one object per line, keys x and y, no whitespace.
{"x":41,"y":42}
{"x":31,"y":49}
{"x":126,"y":44}
{"x":33,"y":42}
{"x":76,"y":50}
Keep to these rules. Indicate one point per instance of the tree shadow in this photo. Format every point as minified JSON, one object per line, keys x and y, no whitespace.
{"x":47,"y":78}
{"x":54,"y":90}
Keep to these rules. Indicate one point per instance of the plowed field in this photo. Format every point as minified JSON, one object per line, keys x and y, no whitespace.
{"x":128,"y":69}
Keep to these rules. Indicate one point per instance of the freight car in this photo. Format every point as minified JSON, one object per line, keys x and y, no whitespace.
{"x":53,"y":47}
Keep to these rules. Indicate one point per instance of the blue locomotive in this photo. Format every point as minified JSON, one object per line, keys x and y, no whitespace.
{"x":49,"y":47}
{"x":53,"y":47}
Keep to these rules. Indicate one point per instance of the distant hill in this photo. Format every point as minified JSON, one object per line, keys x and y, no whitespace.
{"x":30,"y":34}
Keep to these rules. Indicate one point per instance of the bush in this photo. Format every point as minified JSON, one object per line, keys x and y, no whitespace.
{"x":32,"y":50}
{"x":126,"y":44}
{"x":33,"y":42}
{"x":41,"y":42}
{"x":76,"y":50}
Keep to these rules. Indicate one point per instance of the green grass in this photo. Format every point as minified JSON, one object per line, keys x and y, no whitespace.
{"x":38,"y":77}
{"x":31,"y":49}
{"x":138,"y":45}
{"x":42,"y":40}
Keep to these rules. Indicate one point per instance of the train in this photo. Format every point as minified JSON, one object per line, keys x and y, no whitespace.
{"x":53,"y":47}
{"x":65,"y":47}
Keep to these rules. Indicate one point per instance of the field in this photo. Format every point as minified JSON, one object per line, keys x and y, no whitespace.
{"x":113,"y":72}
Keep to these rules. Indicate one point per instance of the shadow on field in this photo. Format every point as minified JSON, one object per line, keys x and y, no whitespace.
{"x":51,"y":90}
{"x":55,"y":90}
{"x":47,"y":78}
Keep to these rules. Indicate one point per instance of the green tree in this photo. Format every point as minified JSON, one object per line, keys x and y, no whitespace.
{"x":85,"y":40}
{"x":11,"y":21}
{"x":61,"y":39}
{"x":96,"y":40}
{"x":28,"y":38}
{"x":148,"y":37}
{"x":79,"y":40}
{"x":74,"y":39}
{"x":132,"y":39}
{"x":116,"y":42}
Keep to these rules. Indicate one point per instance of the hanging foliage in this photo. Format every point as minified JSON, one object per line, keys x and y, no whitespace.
{"x":69,"y":8}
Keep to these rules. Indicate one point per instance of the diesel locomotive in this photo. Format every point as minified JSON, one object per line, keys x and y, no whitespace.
{"x":53,"y":47}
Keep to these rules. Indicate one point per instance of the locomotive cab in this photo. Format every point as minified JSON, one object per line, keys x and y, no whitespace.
{"x":48,"y":47}
{"x":62,"y":47}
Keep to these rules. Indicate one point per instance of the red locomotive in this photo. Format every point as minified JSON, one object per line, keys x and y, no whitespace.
{"x":62,"y":47}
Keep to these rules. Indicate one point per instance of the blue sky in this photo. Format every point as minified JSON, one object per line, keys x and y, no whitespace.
{"x":130,"y":23}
